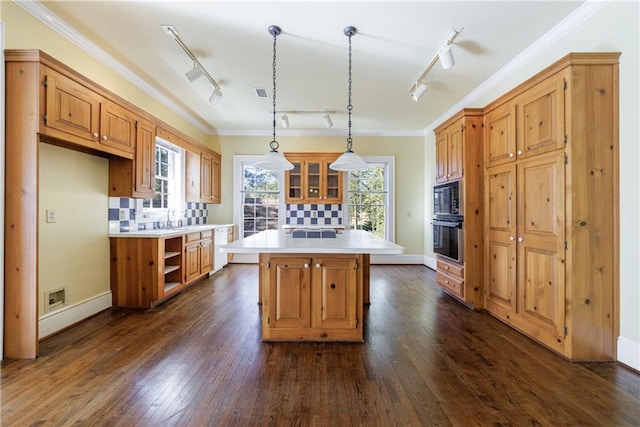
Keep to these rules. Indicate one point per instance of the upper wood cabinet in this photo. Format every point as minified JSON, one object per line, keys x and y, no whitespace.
{"x":311,"y":180}
{"x":76,"y":113}
{"x":450,"y":152}
{"x":459,"y":157}
{"x":210,"y":171}
{"x":551,"y":226}
{"x":135,"y":178}
{"x":528,"y":124}
{"x":192,"y":176}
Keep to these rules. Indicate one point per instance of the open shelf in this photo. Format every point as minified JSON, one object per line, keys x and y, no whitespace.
{"x":170,"y":285}
{"x":169,"y":268}
{"x":168,"y":255}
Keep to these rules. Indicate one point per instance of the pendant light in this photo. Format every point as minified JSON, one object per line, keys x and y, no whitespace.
{"x":349,"y":161}
{"x":273,"y":160}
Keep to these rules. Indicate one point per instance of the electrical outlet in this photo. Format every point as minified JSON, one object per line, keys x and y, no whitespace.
{"x":51,"y":215}
{"x":314,"y":214}
{"x":123,"y":215}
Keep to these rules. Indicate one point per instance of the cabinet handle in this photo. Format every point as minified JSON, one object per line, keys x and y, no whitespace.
{"x":520,"y":239}
{"x":519,"y":152}
{"x":306,"y":266}
{"x":317,"y":265}
{"x":95,"y":134}
{"x":510,"y":154}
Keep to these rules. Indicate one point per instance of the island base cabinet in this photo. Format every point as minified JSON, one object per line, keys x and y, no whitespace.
{"x":307,"y":297}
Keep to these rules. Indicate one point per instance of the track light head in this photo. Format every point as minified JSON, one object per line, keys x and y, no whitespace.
{"x":446,"y":57}
{"x":215,"y":97}
{"x":327,"y":120}
{"x":195,"y":73}
{"x":284,"y":120}
{"x":420,"y":89}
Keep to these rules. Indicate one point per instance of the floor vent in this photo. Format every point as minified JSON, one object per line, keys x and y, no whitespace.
{"x":54,"y":299}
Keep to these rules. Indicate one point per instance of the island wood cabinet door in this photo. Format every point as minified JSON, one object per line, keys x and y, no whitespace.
{"x":315,"y":298}
{"x":335,"y":293}
{"x":289,"y":292}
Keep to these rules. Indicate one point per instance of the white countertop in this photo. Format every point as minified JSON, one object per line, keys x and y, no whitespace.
{"x":347,"y":242}
{"x":170,"y":232}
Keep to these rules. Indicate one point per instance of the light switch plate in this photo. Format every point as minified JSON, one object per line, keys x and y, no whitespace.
{"x":51,"y":215}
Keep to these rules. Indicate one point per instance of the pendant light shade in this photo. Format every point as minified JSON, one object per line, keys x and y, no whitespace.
{"x":349,"y":161}
{"x":273,"y":160}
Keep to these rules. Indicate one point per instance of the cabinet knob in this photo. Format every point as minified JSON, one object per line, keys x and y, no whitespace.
{"x":520,"y":239}
{"x":446,"y":281}
{"x":306,"y":266}
{"x":446,"y":267}
{"x":95,"y":134}
{"x":317,"y":265}
{"x":511,"y":238}
{"x":519,"y":152}
{"x":104,"y":137}
{"x":510,"y":154}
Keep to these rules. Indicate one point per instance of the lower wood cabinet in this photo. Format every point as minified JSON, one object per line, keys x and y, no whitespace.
{"x":147,"y":271}
{"x":198,"y":253}
{"x":312,"y":297}
{"x":450,"y":276}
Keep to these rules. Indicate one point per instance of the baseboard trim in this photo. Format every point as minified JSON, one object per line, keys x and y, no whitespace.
{"x":429,"y":262}
{"x":629,"y":353}
{"x":55,"y":321}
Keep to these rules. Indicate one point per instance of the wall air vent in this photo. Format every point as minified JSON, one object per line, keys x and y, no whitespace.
{"x":54,"y":299}
{"x":261,"y":92}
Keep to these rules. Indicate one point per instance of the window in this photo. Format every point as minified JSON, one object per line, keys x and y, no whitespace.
{"x":168,"y":181}
{"x":370,"y":203}
{"x":259,"y":201}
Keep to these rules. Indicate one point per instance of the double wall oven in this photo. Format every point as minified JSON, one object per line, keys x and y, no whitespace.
{"x":448,"y":230}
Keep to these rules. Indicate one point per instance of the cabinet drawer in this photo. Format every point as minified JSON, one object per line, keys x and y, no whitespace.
{"x":208,"y":234}
{"x":452,"y":283}
{"x":451,"y":268}
{"x":192,"y":237}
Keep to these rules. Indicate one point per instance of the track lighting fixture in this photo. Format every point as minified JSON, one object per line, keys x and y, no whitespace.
{"x":445,"y":55}
{"x":284,"y":120}
{"x":273,"y":160}
{"x":349,"y":161}
{"x":420,"y":89}
{"x":195,"y":73}
{"x":198,"y":70}
{"x":327,"y":120}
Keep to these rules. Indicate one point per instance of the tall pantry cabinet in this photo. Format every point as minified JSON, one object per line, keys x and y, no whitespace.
{"x":459,"y":158}
{"x":551,"y":199}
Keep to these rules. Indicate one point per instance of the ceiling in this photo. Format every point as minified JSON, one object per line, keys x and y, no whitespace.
{"x":394,"y":43}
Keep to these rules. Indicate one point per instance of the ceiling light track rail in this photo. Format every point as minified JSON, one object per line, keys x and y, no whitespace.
{"x":173,"y":33}
{"x":445,"y":56}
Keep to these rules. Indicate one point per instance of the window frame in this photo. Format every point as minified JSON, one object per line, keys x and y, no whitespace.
{"x":179,"y":178}
{"x":238,"y":167}
{"x":390,"y":198}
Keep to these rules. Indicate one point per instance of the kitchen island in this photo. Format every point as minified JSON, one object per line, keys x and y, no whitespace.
{"x":313,"y":289}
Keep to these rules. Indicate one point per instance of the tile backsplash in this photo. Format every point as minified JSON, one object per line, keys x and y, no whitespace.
{"x":127,"y":214}
{"x":314,"y":214}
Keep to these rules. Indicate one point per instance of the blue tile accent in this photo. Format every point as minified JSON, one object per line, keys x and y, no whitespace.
{"x":313,"y":234}
{"x":307,"y":214}
{"x":300,"y":221}
{"x":114,"y":214}
{"x":334,"y":214}
{"x":314,"y":221}
{"x":314,"y":207}
{"x":327,"y":207}
{"x":327,"y":221}
{"x":288,"y":220}
{"x":320,"y":214}
{"x":124,"y":202}
{"x":300,"y":207}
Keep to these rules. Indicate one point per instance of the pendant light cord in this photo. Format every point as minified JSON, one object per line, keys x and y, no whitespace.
{"x":349,"y":106}
{"x":274,"y":144}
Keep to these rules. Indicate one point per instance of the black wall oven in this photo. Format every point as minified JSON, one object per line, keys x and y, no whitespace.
{"x":448,"y":239}
{"x":448,"y":223}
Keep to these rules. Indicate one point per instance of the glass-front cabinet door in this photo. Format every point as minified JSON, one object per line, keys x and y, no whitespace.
{"x":293,"y":179}
{"x":313,"y":180}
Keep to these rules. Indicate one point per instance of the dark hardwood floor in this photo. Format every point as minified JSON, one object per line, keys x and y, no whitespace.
{"x":197,"y":360}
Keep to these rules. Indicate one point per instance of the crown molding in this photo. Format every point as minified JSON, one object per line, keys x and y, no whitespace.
{"x":318,"y":132}
{"x":564,"y":27}
{"x":57,"y":24}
